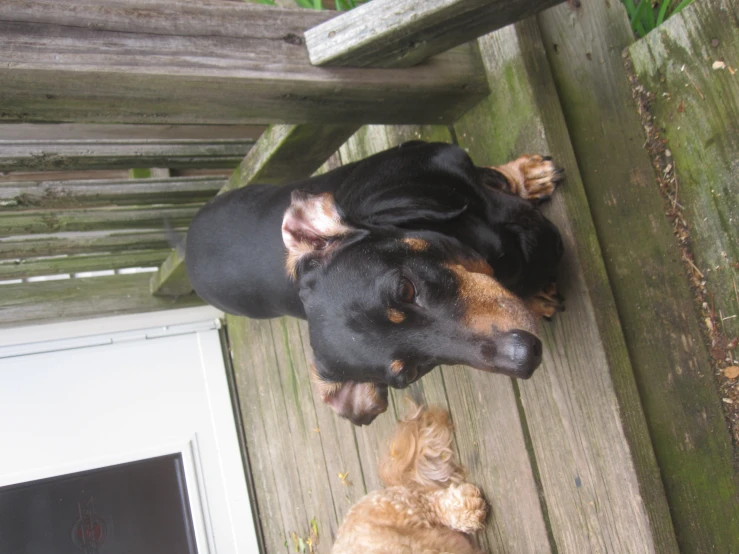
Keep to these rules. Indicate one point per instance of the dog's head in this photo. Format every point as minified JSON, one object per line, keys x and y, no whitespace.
{"x":385,"y":306}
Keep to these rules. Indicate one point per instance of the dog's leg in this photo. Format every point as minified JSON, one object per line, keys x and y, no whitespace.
{"x":459,"y":507}
{"x":531,"y":177}
{"x":547,"y":302}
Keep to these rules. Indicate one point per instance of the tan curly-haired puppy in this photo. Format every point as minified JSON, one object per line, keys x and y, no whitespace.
{"x":426,"y":507}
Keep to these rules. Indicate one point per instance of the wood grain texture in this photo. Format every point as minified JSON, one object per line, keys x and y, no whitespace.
{"x":41,"y":155}
{"x":106,"y":192}
{"x":28,"y":222}
{"x":21,"y":269}
{"x":654,"y":302}
{"x":701,"y":125}
{"x":599,"y":476}
{"x":96,"y":242}
{"x":402,"y":33}
{"x":282,"y":154}
{"x":160,"y":61}
{"x":79,"y":131}
{"x":285,"y":153}
{"x":71,"y":299}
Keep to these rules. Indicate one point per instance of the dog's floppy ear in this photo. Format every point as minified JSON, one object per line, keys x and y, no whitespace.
{"x":310,"y":225}
{"x":407,"y":205}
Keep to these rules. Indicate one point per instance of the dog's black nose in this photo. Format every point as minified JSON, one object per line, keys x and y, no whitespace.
{"x":517,"y":354}
{"x":524,"y":350}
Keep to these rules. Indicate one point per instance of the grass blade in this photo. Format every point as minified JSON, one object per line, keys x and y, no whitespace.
{"x":663,"y":11}
{"x":681,"y":5}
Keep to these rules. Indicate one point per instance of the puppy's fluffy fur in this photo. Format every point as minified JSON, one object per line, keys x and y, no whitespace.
{"x":426,"y":507}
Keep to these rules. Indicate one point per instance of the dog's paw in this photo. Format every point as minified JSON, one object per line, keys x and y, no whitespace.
{"x":534,"y":177}
{"x":463,"y":508}
{"x":547,"y":302}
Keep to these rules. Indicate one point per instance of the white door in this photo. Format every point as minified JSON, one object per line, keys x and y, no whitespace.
{"x":120,"y":437}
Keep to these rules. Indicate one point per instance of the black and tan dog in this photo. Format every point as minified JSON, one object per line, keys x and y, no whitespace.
{"x":411,"y":258}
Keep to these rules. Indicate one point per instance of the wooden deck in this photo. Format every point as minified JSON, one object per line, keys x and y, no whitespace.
{"x":618,"y":444}
{"x":564,"y":459}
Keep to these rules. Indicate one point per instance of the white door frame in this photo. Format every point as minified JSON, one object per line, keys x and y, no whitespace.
{"x":214,"y":471}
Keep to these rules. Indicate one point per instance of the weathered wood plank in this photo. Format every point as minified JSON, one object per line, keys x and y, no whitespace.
{"x":19,"y":248}
{"x":339,"y":450}
{"x":118,"y":192}
{"x":495,"y":453}
{"x":171,"y":278}
{"x":159,"y":133}
{"x":70,"y":299}
{"x":283,"y":153}
{"x":20,"y":176}
{"x":402,"y":33}
{"x":599,"y":476}
{"x":642,"y":260}
{"x":20,"y":269}
{"x":701,"y":125}
{"x":274,"y":475}
{"x":304,"y":431}
{"x":28,"y":222}
{"x":40,"y":155}
{"x":223,"y":62}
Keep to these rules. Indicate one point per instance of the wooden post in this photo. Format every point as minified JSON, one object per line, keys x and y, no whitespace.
{"x":402,"y":33}
{"x":167,"y":61}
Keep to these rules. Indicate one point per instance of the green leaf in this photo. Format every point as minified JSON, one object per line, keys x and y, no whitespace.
{"x":681,"y":5}
{"x":630,"y":9}
{"x":663,"y":11}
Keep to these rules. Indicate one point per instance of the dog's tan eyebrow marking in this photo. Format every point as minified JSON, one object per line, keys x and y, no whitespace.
{"x":416,"y":244}
{"x":396,"y":316}
{"x":396,"y":366}
{"x":476,"y":266}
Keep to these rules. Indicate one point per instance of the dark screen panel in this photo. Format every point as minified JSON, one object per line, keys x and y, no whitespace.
{"x":135,"y":508}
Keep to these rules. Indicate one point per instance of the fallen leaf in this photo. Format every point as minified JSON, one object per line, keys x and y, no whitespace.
{"x":732,"y":372}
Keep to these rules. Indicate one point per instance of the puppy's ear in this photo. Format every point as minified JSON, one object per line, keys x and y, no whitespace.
{"x":360,"y":403}
{"x":408,"y":205}
{"x":310,"y":225}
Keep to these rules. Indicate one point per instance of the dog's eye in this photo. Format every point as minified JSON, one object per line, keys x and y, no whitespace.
{"x":406,"y":291}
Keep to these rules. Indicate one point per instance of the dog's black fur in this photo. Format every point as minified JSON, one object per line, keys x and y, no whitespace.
{"x":389,"y":259}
